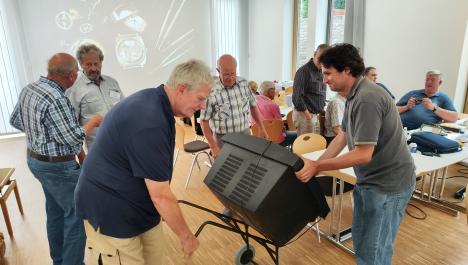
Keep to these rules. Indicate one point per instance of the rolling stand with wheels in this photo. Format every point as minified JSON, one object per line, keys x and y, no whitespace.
{"x":246,"y":253}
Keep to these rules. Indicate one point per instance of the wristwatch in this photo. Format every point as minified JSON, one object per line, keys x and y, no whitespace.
{"x":434,"y":109}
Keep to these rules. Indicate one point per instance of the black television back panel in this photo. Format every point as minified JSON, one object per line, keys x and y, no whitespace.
{"x":255,"y":178}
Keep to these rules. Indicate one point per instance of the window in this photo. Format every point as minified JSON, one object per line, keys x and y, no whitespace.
{"x":230,"y":31}
{"x":302,"y":34}
{"x":9,"y":83}
{"x":336,"y":24}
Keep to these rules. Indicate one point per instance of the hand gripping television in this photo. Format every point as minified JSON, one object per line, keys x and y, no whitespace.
{"x":256,"y":180}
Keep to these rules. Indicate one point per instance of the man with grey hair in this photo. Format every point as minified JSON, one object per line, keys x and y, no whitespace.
{"x":309,"y":93}
{"x":123,"y":191}
{"x":428,"y":105}
{"x":54,"y":138}
{"x":92,"y":92}
{"x":229,"y":106}
{"x":271,"y":111}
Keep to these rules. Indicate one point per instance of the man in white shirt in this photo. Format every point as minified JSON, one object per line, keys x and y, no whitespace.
{"x":92,"y":93}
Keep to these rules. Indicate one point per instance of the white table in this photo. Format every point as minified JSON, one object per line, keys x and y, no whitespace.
{"x":424,"y":165}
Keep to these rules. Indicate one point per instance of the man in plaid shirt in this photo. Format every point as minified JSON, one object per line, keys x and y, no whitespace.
{"x":54,"y":138}
{"x":229,"y":106}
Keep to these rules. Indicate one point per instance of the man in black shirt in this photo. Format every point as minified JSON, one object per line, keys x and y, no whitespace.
{"x":309,"y":93}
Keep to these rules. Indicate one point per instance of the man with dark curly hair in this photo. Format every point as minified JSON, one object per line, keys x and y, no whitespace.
{"x":378,"y":153}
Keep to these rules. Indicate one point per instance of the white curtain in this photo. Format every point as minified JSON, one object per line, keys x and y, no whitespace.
{"x":13,"y":71}
{"x":354,"y":23}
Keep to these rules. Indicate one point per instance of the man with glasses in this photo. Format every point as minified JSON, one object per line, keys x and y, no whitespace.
{"x":229,"y":106}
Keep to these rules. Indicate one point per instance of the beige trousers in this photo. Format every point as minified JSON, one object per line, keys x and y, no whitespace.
{"x":146,"y":248}
{"x":306,"y":126}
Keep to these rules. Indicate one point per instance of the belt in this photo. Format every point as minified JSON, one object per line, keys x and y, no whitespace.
{"x":51,"y":158}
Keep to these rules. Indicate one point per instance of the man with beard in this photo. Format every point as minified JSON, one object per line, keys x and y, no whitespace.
{"x":92,"y":92}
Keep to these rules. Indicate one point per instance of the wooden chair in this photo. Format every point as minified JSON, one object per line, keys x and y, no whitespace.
{"x":309,"y":142}
{"x":194,"y":148}
{"x":273,"y":127}
{"x":6,"y":186}
{"x":290,"y":122}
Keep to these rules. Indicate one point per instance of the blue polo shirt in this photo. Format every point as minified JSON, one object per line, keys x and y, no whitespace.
{"x":418,"y":115}
{"x":135,"y":141}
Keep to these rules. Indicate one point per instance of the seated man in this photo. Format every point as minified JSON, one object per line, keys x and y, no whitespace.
{"x":334,"y":116}
{"x":271,"y":111}
{"x":371,"y":74}
{"x":428,"y":105}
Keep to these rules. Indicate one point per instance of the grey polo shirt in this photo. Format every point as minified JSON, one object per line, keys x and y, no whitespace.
{"x":371,"y":117}
{"x":89,"y":99}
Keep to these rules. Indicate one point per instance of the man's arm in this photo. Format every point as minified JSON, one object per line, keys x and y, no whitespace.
{"x":444,"y":114}
{"x":409,"y":105}
{"x":335,"y":147}
{"x":16,"y":120}
{"x":210,"y":137}
{"x":166,"y":204}
{"x":257,"y":117}
{"x":361,"y":154}
{"x":336,"y":130}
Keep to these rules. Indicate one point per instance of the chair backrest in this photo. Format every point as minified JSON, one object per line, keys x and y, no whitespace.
{"x":273,"y":127}
{"x":290,"y":121}
{"x":308,"y":142}
{"x":180,"y":136}
{"x":288,"y":90}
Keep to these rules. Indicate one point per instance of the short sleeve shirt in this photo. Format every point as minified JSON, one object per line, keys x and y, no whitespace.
{"x":418,"y":115}
{"x":371,"y":118}
{"x":228,"y":108}
{"x":89,"y":99}
{"x":136,"y":142}
{"x":334,"y":114}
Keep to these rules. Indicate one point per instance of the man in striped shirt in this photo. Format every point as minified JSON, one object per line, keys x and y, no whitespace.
{"x":229,"y":105}
{"x":309,"y":94}
{"x":54,"y":138}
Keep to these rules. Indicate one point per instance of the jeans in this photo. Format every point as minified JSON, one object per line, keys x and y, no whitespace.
{"x":376,"y":219}
{"x":64,"y":230}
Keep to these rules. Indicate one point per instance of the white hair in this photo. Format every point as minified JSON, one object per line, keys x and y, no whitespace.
{"x":265,"y":86}
{"x":435,"y":72}
{"x":190,"y":73}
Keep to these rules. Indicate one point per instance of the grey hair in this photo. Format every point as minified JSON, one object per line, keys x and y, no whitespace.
{"x":191,"y":73}
{"x":65,"y":67}
{"x":435,"y":72}
{"x":265,"y":86}
{"x":86,"y":48}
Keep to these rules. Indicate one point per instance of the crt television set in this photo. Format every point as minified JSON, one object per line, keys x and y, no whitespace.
{"x":255,"y":179}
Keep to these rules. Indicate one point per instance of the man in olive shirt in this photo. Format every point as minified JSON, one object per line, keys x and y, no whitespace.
{"x":377,"y":151}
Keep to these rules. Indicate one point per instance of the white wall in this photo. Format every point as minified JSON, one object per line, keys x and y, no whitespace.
{"x":188,"y":37}
{"x":266,"y":39}
{"x":404,"y":39}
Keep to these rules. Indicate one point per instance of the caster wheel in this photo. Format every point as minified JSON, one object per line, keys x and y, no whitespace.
{"x":244,"y":255}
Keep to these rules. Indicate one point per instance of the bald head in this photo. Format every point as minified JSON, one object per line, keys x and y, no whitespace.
{"x":62,"y":68}
{"x":227,"y":69}
{"x":61,"y":63}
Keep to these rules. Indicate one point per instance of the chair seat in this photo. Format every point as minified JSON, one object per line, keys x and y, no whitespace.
{"x":196,"y":146}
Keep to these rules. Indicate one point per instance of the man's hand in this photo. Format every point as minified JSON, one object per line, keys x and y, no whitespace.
{"x":94,"y":122}
{"x":411,"y":103}
{"x":427,"y":103}
{"x":189,"y":245}
{"x":214,"y":151}
{"x":309,"y":170}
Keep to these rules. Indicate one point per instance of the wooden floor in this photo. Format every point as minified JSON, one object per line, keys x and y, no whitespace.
{"x":439,"y":239}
